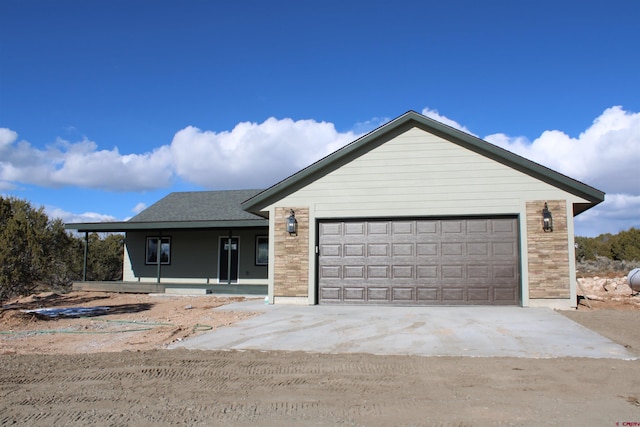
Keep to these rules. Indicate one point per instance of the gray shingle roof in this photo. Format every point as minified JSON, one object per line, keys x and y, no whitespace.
{"x":186,"y":210}
{"x":199,"y":206}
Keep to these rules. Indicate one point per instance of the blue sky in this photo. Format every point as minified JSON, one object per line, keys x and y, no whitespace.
{"x":107,"y":106}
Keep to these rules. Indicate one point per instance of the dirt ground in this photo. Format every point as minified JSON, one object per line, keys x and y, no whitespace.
{"x":111,"y":368}
{"x":132,"y":322}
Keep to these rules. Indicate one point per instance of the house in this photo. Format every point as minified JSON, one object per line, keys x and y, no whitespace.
{"x":204,"y":239}
{"x":413,"y":213}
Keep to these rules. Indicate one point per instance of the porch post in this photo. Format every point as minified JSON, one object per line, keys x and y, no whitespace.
{"x":86,"y":250}
{"x":229,"y":257}
{"x":158,"y":257}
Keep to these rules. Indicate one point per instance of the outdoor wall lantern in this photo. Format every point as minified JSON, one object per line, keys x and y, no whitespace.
{"x":292,"y":224}
{"x":547,"y":219}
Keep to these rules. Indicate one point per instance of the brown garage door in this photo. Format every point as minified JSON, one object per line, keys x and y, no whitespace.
{"x":419,"y":262}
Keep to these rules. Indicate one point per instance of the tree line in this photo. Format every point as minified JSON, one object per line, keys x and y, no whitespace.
{"x":36,"y":252}
{"x":624,"y":246}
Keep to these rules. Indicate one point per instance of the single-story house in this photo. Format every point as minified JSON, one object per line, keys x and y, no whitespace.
{"x":413,"y":213}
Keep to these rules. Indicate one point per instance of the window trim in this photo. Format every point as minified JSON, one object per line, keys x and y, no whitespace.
{"x":260,"y":258}
{"x":163,"y":240}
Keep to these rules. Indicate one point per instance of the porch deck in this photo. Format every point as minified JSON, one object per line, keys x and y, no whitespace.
{"x":159,"y":288}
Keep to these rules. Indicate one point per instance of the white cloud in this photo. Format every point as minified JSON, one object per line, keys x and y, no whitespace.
{"x":617,"y":213}
{"x":139,"y":208}
{"x":435,"y":115}
{"x":256,"y":155}
{"x":69,"y":217}
{"x":81,"y":164}
{"x":605,"y":156}
{"x":252,"y":154}
{"x":7,"y":137}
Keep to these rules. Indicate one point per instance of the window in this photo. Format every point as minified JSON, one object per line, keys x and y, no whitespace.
{"x":152,"y":250}
{"x":262,"y":250}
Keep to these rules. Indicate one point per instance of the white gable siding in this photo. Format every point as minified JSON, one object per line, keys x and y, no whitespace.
{"x":420,"y":174}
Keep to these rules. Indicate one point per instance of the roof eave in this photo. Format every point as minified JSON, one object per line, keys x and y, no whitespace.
{"x":401,"y":125}
{"x":115,"y":227}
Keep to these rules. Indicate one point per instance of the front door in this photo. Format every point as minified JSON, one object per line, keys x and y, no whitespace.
{"x":228,"y":260}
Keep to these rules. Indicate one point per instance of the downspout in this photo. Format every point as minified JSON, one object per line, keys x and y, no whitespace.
{"x":86,"y":250}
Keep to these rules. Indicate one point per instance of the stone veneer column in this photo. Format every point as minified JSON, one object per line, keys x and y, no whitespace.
{"x":548,"y":252}
{"x":291,"y":264}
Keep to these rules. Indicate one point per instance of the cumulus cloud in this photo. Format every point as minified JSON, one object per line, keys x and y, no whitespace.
{"x":252,"y":154}
{"x":80,"y":164}
{"x":257,"y":155}
{"x":435,"y":115}
{"x":69,"y":217}
{"x":606,"y":155}
{"x":618,"y":212}
{"x":139,"y":208}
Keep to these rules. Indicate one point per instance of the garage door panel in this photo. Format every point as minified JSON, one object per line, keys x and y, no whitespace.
{"x":427,"y":249}
{"x":354,"y":272}
{"x":452,"y":271}
{"x":403,"y":227}
{"x":379,"y":293}
{"x":354,"y":228}
{"x":402,"y":293}
{"x":477,"y":272}
{"x":453,"y":294}
{"x":378,"y":271}
{"x":328,"y":229}
{"x":480,"y":226}
{"x":402,"y":272}
{"x":402,"y":249}
{"x":508,"y":271}
{"x":504,"y":294}
{"x":378,"y":249}
{"x":330,"y":272}
{"x":427,"y":272}
{"x":451,"y":227}
{"x":478,"y":294}
{"x":419,"y":262}
{"x":478,"y":249}
{"x":354,"y":250}
{"x":328,"y":293}
{"x":331,"y":250}
{"x":354,"y":293}
{"x":427,"y":294}
{"x":378,"y":228}
{"x":427,"y":227}
{"x":503,"y":226}
{"x":452,"y":249}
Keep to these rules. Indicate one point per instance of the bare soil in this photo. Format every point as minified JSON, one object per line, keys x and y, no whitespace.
{"x":132,"y":322}
{"x":113,"y":370}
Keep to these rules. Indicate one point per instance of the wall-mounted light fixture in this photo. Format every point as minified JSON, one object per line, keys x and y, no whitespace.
{"x":292,"y":224}
{"x":547,"y":219}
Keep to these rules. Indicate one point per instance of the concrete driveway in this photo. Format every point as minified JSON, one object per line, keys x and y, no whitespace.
{"x":423,"y":331}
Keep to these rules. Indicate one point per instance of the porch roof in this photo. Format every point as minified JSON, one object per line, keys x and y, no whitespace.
{"x":186,"y":210}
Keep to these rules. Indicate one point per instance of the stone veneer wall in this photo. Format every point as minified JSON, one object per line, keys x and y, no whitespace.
{"x":548,"y":251}
{"x":291,"y":264}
